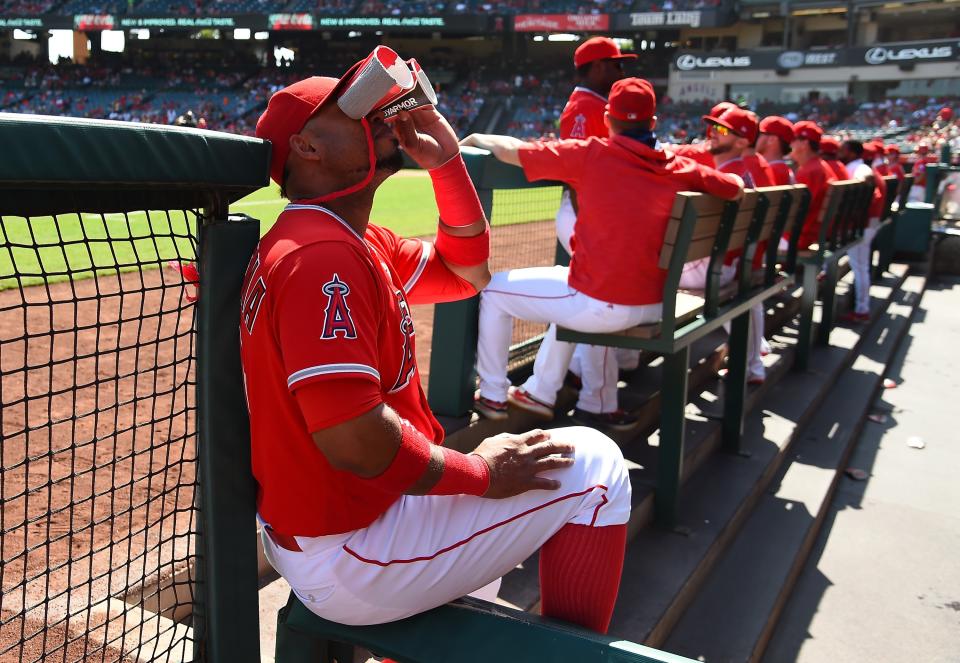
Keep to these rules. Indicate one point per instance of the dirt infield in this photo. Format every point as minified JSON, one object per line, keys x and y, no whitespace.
{"x":97,"y":421}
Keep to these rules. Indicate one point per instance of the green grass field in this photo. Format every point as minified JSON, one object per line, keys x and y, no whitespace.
{"x":75,"y":246}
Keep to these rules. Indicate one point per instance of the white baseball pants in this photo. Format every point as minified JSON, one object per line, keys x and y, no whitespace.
{"x":541,"y":294}
{"x":860,"y":263}
{"x":426,"y":551}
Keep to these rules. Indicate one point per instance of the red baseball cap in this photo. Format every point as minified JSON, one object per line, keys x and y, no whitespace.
{"x":739,"y":121}
{"x":718,"y":110}
{"x":807,"y":130}
{"x":289,"y":109}
{"x":892,"y":149}
{"x":829,"y":145}
{"x":632,"y":100}
{"x":599,"y":48}
{"x":946,"y":113}
{"x":777,"y":126}
{"x":869,"y":150}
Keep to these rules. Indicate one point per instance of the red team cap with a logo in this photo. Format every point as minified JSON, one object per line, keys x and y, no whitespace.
{"x":632,"y":100}
{"x":718,"y":110}
{"x":739,"y":121}
{"x":777,"y":126}
{"x":599,"y":48}
{"x":807,"y":130}
{"x":289,"y":109}
{"x":829,"y":145}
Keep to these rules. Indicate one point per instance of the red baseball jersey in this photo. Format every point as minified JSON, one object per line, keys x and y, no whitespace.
{"x":782,"y":172}
{"x":758,"y":164}
{"x":879,"y":195}
{"x":699,"y":152}
{"x":582,"y":117}
{"x":881,"y":168}
{"x":626,"y":191}
{"x":897,"y":170}
{"x":754,"y":176}
{"x":817,"y":175}
{"x":920,"y":169}
{"x":838,"y":168}
{"x":326,"y":335}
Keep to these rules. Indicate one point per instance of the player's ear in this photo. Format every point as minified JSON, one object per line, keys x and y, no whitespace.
{"x":305,"y":146}
{"x":606,"y":120}
{"x":653,"y":123}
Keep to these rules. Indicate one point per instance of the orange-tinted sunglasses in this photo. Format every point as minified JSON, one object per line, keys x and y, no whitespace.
{"x":718,"y":130}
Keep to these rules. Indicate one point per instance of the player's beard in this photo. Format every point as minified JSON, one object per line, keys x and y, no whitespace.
{"x":392,"y":162}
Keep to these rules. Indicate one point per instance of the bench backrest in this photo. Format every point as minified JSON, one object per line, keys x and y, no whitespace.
{"x":795,"y":217}
{"x":842,"y":212}
{"x":892,"y":189}
{"x":903,"y":193}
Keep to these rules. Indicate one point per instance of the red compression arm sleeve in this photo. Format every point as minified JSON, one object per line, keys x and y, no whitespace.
{"x":462,"y":474}
{"x":457,"y":200}
{"x":464,"y":251}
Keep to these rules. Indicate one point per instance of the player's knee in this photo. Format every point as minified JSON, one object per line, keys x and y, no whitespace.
{"x":599,"y":460}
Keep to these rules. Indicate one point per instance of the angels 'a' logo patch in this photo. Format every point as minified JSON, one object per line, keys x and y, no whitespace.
{"x":579,"y":129}
{"x":336,"y":317}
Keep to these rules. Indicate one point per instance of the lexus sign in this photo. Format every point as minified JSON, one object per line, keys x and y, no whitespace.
{"x":689,"y":62}
{"x":897,"y":55}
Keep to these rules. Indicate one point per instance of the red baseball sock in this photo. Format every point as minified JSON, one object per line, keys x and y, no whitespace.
{"x":580,"y":569}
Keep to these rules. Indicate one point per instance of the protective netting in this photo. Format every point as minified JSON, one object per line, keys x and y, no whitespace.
{"x":97,"y":436}
{"x":524,"y":236}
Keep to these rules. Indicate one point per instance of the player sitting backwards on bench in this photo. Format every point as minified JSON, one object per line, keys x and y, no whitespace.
{"x":364,"y":513}
{"x":625,"y":187}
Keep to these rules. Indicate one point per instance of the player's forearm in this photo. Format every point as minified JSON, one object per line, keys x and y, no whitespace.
{"x":504,"y":148}
{"x":395,"y":457}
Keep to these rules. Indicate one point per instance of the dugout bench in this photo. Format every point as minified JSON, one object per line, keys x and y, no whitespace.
{"x":897,"y":195}
{"x":701,"y":227}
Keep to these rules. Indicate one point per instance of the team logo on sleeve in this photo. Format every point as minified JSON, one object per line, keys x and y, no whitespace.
{"x":336,"y":317}
{"x":579,"y":129}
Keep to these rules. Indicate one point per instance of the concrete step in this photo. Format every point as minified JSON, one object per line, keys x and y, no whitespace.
{"x":733,"y":616}
{"x":665,"y":570}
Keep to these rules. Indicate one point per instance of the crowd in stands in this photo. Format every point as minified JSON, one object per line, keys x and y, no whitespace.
{"x":342,"y":7}
{"x":228,"y":93}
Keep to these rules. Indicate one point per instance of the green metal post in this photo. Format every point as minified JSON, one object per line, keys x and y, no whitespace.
{"x":933,"y":171}
{"x":229,"y":621}
{"x":828,"y":302}
{"x":735,"y":384}
{"x":672,"y":426}
{"x":808,"y":301}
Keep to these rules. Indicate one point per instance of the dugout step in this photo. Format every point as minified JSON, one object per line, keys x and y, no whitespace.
{"x":733,"y":616}
{"x":668,"y":569}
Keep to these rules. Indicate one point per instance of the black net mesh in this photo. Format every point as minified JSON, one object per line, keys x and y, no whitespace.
{"x":524,"y":236}
{"x":97,"y":417}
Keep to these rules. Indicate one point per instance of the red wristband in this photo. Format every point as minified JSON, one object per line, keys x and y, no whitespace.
{"x":409,"y":463}
{"x":463,"y":474}
{"x":457,"y":199}
{"x":463,"y":251}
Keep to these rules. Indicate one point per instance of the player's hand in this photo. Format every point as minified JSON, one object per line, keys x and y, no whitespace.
{"x":426,"y":136}
{"x":516,"y":461}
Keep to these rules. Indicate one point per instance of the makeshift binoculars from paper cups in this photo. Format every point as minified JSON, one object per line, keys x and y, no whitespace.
{"x":386,"y":84}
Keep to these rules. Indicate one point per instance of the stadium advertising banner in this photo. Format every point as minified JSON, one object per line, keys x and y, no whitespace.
{"x":471,"y":24}
{"x":190,"y":22}
{"x":93,"y":22}
{"x":21,"y":22}
{"x":902,"y":54}
{"x":669,"y":19}
{"x":561,"y":22}
{"x":290,"y":21}
{"x":899,"y":54}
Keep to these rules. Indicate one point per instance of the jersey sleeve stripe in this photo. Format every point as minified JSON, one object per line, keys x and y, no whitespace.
{"x":425,"y":252}
{"x":332,"y":369}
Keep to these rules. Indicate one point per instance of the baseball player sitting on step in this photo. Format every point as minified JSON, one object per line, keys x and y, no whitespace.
{"x":364,"y":513}
{"x":625,"y":187}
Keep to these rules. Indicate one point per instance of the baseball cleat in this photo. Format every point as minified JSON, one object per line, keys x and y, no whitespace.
{"x":764,"y":347}
{"x":518,"y":397}
{"x":756,"y":379}
{"x":619,"y":420}
{"x":489,"y":408}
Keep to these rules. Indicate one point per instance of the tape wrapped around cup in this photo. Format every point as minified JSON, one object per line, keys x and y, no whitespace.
{"x":421,"y":95}
{"x":381,"y":78}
